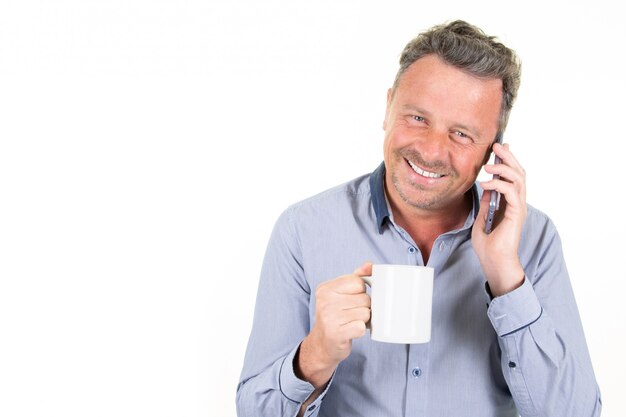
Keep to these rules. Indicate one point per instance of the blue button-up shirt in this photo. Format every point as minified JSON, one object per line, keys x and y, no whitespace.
{"x":523,"y":352}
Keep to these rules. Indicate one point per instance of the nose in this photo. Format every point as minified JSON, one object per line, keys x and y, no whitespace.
{"x":433,"y":145}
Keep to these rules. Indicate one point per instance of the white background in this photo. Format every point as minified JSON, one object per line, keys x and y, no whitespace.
{"x":147,"y":147}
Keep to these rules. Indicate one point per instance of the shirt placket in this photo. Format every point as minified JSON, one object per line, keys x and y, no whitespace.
{"x":417,"y":380}
{"x":416,"y":372}
{"x":417,"y":367}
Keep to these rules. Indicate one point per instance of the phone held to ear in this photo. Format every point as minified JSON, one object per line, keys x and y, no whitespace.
{"x":494,"y":201}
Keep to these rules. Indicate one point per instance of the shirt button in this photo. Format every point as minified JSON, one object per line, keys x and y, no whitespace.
{"x":311,"y":408}
{"x":512,"y":364}
{"x":411,"y":249}
{"x":416,"y":372}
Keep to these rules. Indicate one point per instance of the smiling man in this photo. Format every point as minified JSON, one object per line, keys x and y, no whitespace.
{"x":506,"y":334}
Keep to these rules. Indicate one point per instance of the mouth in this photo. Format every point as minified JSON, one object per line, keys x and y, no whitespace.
{"x":424,"y":173}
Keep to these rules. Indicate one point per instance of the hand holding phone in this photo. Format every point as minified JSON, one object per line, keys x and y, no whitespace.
{"x":494,"y":201}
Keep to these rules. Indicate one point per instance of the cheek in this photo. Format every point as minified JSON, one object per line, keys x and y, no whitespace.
{"x":468,"y":165}
{"x":391,"y":141}
{"x":389,"y":152}
{"x":386,"y":150}
{"x":486,"y":153}
{"x":399,"y":137}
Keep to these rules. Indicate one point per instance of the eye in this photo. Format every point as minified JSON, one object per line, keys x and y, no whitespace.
{"x":462,"y":135}
{"x":418,"y":118}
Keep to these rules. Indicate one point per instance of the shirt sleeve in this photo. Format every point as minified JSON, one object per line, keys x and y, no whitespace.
{"x":545,"y":360}
{"x":268,"y":385}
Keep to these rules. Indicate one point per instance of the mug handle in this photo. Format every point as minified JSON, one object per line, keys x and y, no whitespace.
{"x":368,"y":282}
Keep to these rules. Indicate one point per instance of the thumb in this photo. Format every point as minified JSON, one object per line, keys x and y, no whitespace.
{"x":482,"y":209}
{"x":364,"y":270}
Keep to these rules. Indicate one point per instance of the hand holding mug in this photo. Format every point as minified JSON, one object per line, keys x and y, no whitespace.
{"x":342,"y":308}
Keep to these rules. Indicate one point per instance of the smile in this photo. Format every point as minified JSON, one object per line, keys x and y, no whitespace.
{"x":422,"y":172}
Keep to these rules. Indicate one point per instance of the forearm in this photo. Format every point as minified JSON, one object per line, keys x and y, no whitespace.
{"x":308,"y":367}
{"x":547,"y":367}
{"x":312,"y":366}
{"x":503,"y":278}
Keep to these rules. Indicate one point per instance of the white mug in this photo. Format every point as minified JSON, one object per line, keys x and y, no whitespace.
{"x":402,"y":298}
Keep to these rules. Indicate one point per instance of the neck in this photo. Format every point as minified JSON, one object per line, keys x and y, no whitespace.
{"x":424,"y":226}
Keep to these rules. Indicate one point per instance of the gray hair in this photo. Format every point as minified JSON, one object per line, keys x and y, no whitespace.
{"x":468,"y":48}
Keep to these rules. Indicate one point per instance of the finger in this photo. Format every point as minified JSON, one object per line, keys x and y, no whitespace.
{"x":334,"y":304}
{"x":507,"y":189}
{"x":507,"y":173}
{"x":482,"y":210}
{"x":350,"y":301}
{"x":364,"y":270}
{"x":347,"y":284}
{"x":354,"y":314}
{"x":353,"y":329}
{"x":502,"y":186}
{"x":507,"y":157}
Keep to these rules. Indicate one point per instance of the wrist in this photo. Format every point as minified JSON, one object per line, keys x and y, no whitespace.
{"x":310,"y":364}
{"x":505,"y":280}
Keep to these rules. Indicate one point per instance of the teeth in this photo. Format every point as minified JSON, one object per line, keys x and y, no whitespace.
{"x":424,"y":173}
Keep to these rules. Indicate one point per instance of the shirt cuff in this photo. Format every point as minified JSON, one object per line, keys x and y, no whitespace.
{"x":291,"y":386}
{"x":296,"y":389}
{"x":515,"y":310}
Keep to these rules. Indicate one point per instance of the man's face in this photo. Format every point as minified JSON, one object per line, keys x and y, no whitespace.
{"x":439,"y":127}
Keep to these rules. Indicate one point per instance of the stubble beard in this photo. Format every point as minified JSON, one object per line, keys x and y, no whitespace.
{"x":424,"y":198}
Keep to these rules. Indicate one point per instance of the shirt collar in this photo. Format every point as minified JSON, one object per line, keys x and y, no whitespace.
{"x":377,"y":187}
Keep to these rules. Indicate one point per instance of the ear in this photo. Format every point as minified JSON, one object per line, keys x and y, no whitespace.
{"x":389,"y":97}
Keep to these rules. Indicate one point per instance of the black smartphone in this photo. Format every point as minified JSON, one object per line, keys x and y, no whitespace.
{"x":494,"y":201}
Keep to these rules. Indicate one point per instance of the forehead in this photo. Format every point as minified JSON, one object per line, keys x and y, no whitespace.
{"x":451,"y":94}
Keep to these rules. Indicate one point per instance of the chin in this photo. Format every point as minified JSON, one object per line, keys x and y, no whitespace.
{"x":422,"y":200}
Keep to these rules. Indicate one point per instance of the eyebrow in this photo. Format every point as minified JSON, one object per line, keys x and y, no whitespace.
{"x":415,"y":108}
{"x":461,"y":126}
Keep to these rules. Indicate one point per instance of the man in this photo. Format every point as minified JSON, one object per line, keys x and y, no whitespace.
{"x":506,"y":334}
